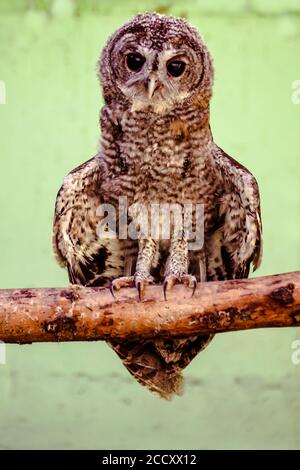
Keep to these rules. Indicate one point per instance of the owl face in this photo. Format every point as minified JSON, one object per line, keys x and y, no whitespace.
{"x":157,"y":79}
{"x":155,"y":62}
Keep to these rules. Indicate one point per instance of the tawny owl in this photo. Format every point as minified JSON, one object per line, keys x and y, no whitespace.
{"x":157,"y":147}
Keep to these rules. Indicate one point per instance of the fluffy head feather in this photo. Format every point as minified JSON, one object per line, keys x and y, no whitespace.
{"x":159,"y":41}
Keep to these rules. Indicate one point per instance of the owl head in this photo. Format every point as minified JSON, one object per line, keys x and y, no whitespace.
{"x":156,"y":62}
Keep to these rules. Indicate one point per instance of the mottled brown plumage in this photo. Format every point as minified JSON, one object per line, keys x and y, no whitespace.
{"x":157,"y":146}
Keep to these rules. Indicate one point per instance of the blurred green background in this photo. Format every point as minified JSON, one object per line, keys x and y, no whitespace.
{"x":243,"y":390}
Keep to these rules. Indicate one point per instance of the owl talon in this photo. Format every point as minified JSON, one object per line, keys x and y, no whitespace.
{"x":170,"y":282}
{"x":165,"y":291}
{"x":130,"y":281}
{"x":194,"y":288}
{"x":140,"y":290}
{"x":117,"y":284}
{"x":186,"y":279}
{"x":111,"y":290}
{"x":141,"y":283}
{"x":189,"y":281}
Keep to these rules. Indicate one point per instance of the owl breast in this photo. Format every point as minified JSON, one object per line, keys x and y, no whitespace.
{"x":167,"y":161}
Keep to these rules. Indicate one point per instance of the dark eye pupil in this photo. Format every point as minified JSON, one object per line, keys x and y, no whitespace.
{"x":135,"y":61}
{"x":176,"y":68}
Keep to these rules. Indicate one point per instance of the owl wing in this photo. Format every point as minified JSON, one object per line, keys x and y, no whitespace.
{"x":237,"y":243}
{"x":90,"y":261}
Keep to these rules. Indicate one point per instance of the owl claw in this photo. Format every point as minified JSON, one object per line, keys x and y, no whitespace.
{"x":139,"y":288}
{"x":190,"y":281}
{"x":194,"y":287}
{"x":141,"y":284}
{"x":111,"y":290}
{"x":170,"y":282}
{"x":165,"y":291}
{"x":186,"y":279}
{"x":131,"y":281}
{"x":117,"y":284}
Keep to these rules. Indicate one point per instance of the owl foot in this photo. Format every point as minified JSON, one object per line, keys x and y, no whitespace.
{"x":186,"y":279}
{"x":138,"y":280}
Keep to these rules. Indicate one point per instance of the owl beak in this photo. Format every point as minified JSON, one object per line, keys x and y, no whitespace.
{"x":152,"y":85}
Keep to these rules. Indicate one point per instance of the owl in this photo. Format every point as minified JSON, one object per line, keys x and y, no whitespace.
{"x":157,"y":147}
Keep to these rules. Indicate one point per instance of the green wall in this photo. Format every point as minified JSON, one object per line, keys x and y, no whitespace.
{"x":242,"y":391}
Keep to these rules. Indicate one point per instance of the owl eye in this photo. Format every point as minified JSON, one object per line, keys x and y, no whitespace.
{"x":135,"y":61}
{"x":176,"y":68}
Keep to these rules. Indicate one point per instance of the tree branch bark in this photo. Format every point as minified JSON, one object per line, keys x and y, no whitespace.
{"x":88,"y":314}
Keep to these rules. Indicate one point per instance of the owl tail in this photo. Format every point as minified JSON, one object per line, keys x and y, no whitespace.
{"x":158,"y":365}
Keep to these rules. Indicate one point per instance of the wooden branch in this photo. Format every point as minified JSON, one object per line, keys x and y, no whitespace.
{"x":87,"y":314}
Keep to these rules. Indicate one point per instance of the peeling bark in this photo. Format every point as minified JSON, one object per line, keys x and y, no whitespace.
{"x":89,"y":314}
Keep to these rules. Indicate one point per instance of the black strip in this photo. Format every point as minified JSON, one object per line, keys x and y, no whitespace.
{"x":146,"y":458}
